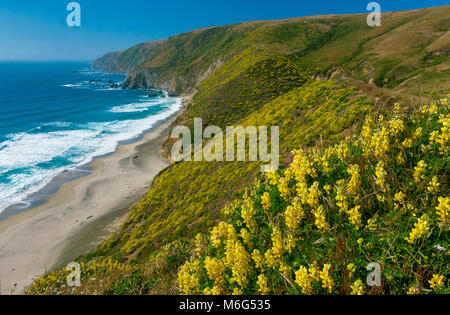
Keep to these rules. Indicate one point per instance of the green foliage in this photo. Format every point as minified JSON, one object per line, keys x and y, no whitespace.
{"x":314,"y":227}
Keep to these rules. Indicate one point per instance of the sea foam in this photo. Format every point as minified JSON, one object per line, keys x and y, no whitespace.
{"x":25,"y":157}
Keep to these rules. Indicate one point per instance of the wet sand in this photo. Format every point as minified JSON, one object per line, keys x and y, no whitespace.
{"x":81,"y":214}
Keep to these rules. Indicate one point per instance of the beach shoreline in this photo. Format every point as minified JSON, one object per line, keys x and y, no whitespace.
{"x":82,"y":213}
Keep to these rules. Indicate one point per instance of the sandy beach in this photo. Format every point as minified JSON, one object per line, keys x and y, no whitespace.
{"x":81,"y":214}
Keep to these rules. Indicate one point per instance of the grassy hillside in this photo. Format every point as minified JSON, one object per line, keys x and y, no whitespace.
{"x":126,"y":60}
{"x":408,"y":53}
{"x":279,"y":73}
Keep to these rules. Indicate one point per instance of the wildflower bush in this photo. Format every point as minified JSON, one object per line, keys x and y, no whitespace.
{"x":56,"y":282}
{"x":313,"y":228}
{"x":152,"y":275}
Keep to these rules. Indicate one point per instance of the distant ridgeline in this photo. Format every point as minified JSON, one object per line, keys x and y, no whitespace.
{"x":352,"y":188}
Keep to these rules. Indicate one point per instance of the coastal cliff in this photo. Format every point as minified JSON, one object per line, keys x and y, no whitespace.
{"x":410,"y":49}
{"x":122,"y":62}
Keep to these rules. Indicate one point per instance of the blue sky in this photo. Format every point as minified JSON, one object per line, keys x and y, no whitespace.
{"x":37,"y":29}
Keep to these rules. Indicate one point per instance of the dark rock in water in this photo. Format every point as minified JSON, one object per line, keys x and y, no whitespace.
{"x":110,"y":81}
{"x":155,"y":93}
{"x":114,"y":86}
{"x":172,"y":94}
{"x":99,"y":80}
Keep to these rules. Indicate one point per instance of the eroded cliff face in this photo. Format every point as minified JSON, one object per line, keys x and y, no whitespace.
{"x":148,"y":78}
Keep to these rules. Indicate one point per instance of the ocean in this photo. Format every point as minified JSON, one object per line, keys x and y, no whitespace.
{"x":55,"y":118}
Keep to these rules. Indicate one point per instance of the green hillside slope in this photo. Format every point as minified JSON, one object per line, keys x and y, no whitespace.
{"x":411,"y":48}
{"x":317,"y":78}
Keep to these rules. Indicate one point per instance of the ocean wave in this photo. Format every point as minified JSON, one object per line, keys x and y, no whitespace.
{"x":137,"y":107}
{"x":27,"y":159}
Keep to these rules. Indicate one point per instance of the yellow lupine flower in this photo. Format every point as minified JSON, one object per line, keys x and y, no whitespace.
{"x":327,"y":280}
{"x":277,"y":243}
{"x":437,"y":282}
{"x":239,"y":260}
{"x":381,"y":175}
{"x":413,"y":291}
{"x":237,"y":291}
{"x":246,"y":237}
{"x":351,"y":269}
{"x":223,"y":230}
{"x":355,"y":181}
{"x":396,"y":126}
{"x":258,"y":258}
{"x":433,"y":186}
{"x":355,"y":217}
{"x":408,"y":143}
{"x":262,"y":285}
{"x":283,"y":188}
{"x":188,"y":278}
{"x":420,"y":229}
{"x":358,"y":288}
{"x":265,"y":201}
{"x":215,"y":270}
{"x":419,"y":171}
{"x":270,"y":259}
{"x":430,"y":109}
{"x":380,"y":142}
{"x":399,"y":198}
{"x":273,"y":178}
{"x":342,"y":202}
{"x":314,"y":271}
{"x":313,"y":195}
{"x":248,"y":213}
{"x":304,"y":280}
{"x":321,"y":220}
{"x":294,"y":215}
{"x":443,"y":211}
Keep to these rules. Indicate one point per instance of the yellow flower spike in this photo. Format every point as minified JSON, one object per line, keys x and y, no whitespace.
{"x":381,"y":175}
{"x":294,"y":215}
{"x":419,"y":172}
{"x":277,"y":243}
{"x":355,"y":181}
{"x":420,"y":229}
{"x":265,"y":201}
{"x":246,"y":237}
{"x":258,"y":258}
{"x":342,"y":202}
{"x":433,"y":186}
{"x":437,"y":282}
{"x":443,"y":211}
{"x":313,"y":195}
{"x":413,"y":291}
{"x":380,"y":142}
{"x":321,"y":221}
{"x":215,"y":270}
{"x":283,"y":188}
{"x":327,"y":280}
{"x":304,"y":280}
{"x":355,"y":217}
{"x":358,"y":288}
{"x":351,"y":269}
{"x":262,"y":283}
